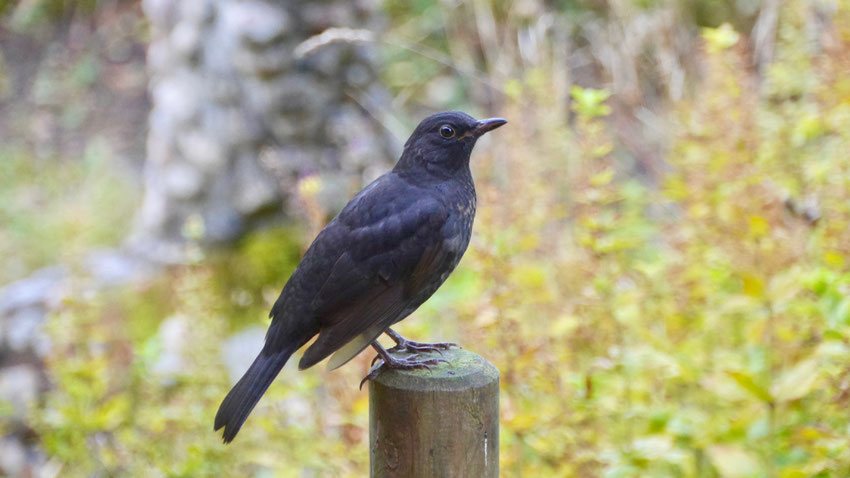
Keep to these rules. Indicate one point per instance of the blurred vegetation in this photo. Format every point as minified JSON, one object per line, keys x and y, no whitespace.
{"x":54,"y":211}
{"x":690,"y":324}
{"x":67,"y":183}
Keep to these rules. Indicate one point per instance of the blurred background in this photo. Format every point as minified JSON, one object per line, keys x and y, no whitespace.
{"x":660,"y":265}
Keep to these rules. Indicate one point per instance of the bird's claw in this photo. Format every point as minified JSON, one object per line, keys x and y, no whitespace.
{"x":417,"y":347}
{"x":406,"y":363}
{"x":373,"y":372}
{"x":411,"y":346}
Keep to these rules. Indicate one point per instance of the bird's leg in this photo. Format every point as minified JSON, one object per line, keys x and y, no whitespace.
{"x":406,"y":363}
{"x":404,"y":345}
{"x":414,"y":347}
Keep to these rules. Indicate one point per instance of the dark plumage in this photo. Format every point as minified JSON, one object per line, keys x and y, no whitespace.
{"x":385,"y":254}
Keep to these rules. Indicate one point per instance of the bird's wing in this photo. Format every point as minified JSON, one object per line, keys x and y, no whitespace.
{"x":432,"y":258}
{"x":384,"y":265}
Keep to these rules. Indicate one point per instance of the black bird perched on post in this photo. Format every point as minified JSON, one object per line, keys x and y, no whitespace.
{"x":386,"y":253}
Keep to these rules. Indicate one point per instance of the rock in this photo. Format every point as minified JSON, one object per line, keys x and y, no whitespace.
{"x":159,"y":12}
{"x":327,"y":59}
{"x":37,"y":289}
{"x":223,"y":224}
{"x":182,"y":180}
{"x":255,"y":190}
{"x":185,"y":39}
{"x":173,"y":335}
{"x":203,"y":151}
{"x":19,"y":386}
{"x":13,"y":457}
{"x":110,"y":267}
{"x":23,"y":331}
{"x":239,"y":350}
{"x":23,"y":307}
{"x":358,"y":75}
{"x":257,"y":23}
{"x":225,"y":86}
{"x":177,"y":97}
{"x":197,"y":12}
{"x":265,"y":65}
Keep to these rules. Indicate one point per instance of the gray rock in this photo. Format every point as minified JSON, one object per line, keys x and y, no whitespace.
{"x":270,"y":63}
{"x":239,"y":350}
{"x":197,"y":12}
{"x":159,"y":12}
{"x":257,"y":23}
{"x":174,"y":334}
{"x":255,"y":189}
{"x":23,"y":308}
{"x":178,"y":97}
{"x":225,"y":86}
{"x":110,"y":267}
{"x":185,"y":39}
{"x":222,"y":222}
{"x":358,"y":75}
{"x":19,"y":386}
{"x":13,"y":457}
{"x":38,"y":289}
{"x":22,"y":330}
{"x":160,"y":56}
{"x":202,"y":150}
{"x":182,"y":180}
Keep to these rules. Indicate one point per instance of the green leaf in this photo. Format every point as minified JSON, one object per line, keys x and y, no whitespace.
{"x":590,"y":102}
{"x":749,"y":384}
{"x":720,"y":38}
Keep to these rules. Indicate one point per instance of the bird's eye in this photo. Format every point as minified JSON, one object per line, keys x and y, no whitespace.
{"x":447,"y":131}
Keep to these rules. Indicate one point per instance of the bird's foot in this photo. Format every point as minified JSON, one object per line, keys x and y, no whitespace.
{"x":406,"y":363}
{"x":404,"y":345}
{"x":415,"y":347}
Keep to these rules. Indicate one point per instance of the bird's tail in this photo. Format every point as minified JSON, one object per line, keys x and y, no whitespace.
{"x":237,"y":405}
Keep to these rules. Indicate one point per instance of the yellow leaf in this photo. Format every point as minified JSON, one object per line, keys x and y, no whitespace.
{"x":361,"y":405}
{"x":810,"y":433}
{"x":564,"y":325}
{"x":796,"y":382}
{"x":753,"y":285}
{"x":513,"y":89}
{"x":602,"y":150}
{"x":834,"y":259}
{"x":733,"y":462}
{"x":699,"y":210}
{"x":795,"y":473}
{"x":309,"y":185}
{"x":113,"y":412}
{"x":784,"y":287}
{"x":720,"y":38}
{"x":758,"y":226}
{"x":602,"y":178}
{"x":522,"y":422}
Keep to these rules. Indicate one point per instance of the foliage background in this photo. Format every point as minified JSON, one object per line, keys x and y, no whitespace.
{"x":683,"y":313}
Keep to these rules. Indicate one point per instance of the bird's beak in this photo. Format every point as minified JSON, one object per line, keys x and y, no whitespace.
{"x":484,"y":126}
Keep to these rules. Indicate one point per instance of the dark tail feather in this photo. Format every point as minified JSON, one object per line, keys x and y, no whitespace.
{"x":237,"y":405}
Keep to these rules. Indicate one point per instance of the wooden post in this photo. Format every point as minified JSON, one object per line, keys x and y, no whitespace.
{"x":441,"y":424}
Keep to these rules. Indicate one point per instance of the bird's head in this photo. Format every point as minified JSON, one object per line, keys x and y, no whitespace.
{"x":443,"y":142}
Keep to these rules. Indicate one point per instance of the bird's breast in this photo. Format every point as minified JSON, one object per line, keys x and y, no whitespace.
{"x":458,"y":229}
{"x":462,"y":211}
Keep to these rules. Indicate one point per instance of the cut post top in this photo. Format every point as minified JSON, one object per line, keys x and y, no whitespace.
{"x":464,"y":370}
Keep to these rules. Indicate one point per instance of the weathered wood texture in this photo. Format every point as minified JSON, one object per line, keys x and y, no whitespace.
{"x":442,"y":424}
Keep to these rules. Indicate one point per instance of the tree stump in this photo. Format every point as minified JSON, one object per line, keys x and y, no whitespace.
{"x":439,"y":424}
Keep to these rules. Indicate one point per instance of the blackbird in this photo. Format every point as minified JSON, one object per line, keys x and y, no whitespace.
{"x":387,"y":252}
